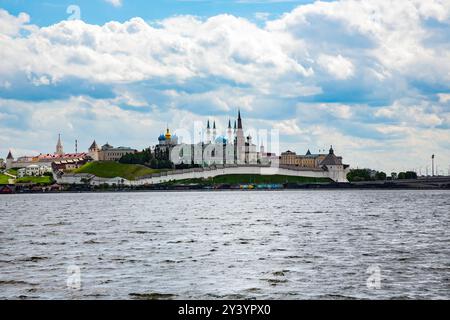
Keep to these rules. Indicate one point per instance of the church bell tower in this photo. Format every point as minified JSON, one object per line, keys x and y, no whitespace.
{"x":59,"y":146}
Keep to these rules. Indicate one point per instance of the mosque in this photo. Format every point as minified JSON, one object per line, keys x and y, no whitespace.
{"x":215,"y":149}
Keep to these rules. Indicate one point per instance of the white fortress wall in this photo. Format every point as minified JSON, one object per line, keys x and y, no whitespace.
{"x":334,"y":173}
{"x":205,"y":174}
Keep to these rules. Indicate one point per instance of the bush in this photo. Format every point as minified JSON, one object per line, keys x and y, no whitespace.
{"x":365,"y":175}
{"x":407,"y":175}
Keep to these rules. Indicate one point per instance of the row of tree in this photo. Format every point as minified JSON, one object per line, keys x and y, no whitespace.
{"x":146,"y":158}
{"x":372,"y":175}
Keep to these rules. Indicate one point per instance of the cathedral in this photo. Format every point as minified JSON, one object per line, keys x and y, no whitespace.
{"x":234,"y":148}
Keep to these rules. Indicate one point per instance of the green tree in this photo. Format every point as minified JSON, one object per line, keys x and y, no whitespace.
{"x":410,"y":175}
{"x":401,"y":175}
{"x":380,"y":176}
{"x":154,"y":163}
{"x":359,"y":175}
{"x":144,"y":157}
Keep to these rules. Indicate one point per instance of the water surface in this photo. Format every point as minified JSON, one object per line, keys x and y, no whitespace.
{"x":231,"y":245}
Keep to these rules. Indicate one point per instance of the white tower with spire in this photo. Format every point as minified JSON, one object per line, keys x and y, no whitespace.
{"x":208,"y":133}
{"x":59,"y":146}
{"x":214,"y":132}
{"x":240,"y":141}
{"x":229,"y":132}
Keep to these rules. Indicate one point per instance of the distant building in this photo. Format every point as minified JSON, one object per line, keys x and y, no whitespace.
{"x":7,"y":189}
{"x":33,"y":170}
{"x":309,"y":160}
{"x":108,"y":152}
{"x":326,"y":162}
{"x":94,"y":151}
{"x":166,"y":142}
{"x":9,"y":160}
{"x":333,"y":164}
{"x":44,"y":159}
{"x":69,"y":164}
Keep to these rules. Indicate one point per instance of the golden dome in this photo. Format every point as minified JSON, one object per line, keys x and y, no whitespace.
{"x":168,"y":135}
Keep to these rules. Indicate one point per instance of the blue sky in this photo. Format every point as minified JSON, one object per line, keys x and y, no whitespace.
{"x":48,"y":12}
{"x":371,"y":78}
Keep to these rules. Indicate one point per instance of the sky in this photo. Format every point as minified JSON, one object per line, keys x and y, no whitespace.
{"x":371,"y":78}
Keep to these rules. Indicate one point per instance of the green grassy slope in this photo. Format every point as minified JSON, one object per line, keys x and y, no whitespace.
{"x":12,"y":171}
{"x":110,"y":169}
{"x":36,"y":180}
{"x":4,"y":179}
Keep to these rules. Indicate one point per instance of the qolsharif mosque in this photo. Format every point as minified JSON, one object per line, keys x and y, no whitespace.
{"x":215,"y":149}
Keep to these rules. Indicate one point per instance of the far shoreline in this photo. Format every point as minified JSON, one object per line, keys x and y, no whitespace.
{"x":348,"y":187}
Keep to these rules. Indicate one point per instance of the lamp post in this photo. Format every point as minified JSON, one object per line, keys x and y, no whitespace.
{"x":432,"y":165}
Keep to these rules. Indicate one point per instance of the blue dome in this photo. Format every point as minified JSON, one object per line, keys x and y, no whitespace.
{"x":221,"y":139}
{"x":161,"y":138}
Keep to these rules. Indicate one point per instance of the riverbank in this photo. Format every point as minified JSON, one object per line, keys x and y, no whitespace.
{"x":435,"y":183}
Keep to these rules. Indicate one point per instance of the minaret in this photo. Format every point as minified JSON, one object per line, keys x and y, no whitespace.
{"x":240,"y":132}
{"x":208,"y":133}
{"x":214,"y":132}
{"x":239,"y":119}
{"x":229,"y":132}
{"x":59,"y":146}
{"x":240,"y":140}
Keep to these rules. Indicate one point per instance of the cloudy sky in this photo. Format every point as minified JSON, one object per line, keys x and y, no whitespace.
{"x":372,"y":78}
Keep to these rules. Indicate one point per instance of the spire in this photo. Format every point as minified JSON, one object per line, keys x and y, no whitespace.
{"x":214,"y":131}
{"x":234,"y":125}
{"x":308,"y":153}
{"x":229,"y":124}
{"x":331,"y":150}
{"x":93,"y":146}
{"x":208,"y":132}
{"x":59,"y":146}
{"x":10,"y":156}
{"x":239,"y":119}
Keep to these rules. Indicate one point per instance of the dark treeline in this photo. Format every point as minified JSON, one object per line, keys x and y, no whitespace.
{"x":148,"y":158}
{"x":372,"y":175}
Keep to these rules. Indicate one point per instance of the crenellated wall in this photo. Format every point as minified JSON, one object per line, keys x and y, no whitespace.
{"x":337,"y":174}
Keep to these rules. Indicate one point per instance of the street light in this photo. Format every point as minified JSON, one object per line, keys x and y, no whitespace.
{"x":432,"y":165}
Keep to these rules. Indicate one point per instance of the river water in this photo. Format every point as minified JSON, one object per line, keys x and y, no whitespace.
{"x":340,"y":244}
